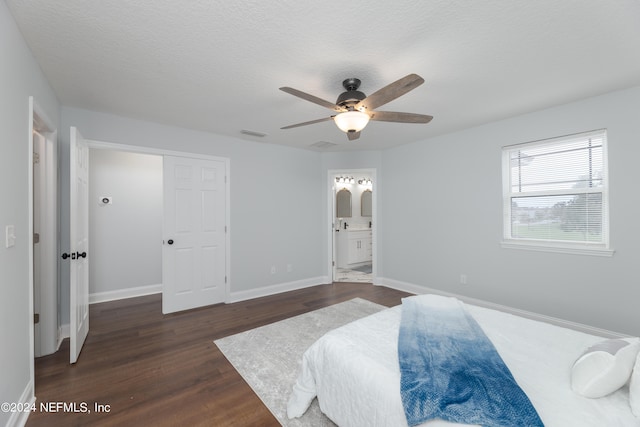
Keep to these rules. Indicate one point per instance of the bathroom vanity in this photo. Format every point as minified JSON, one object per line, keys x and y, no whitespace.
{"x":354,"y":247}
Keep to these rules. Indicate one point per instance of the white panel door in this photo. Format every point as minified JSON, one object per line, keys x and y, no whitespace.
{"x":194,"y":227}
{"x":79,"y":242}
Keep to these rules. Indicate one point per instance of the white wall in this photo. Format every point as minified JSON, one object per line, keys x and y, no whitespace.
{"x":443,"y":205}
{"x":276,"y":197}
{"x":126,"y":236}
{"x":20,"y":77}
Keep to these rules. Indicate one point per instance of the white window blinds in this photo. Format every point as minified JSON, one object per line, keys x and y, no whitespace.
{"x":556,"y":190}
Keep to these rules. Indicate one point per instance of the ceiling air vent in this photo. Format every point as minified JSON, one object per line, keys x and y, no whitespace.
{"x":253,"y":133}
{"x":321,"y":145}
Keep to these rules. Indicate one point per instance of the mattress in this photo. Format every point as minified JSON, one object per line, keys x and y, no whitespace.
{"x":354,"y":372}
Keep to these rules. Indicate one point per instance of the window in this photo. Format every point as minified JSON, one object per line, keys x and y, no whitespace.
{"x":555,"y":194}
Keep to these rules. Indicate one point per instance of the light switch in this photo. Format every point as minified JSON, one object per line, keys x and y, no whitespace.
{"x":10,"y":236}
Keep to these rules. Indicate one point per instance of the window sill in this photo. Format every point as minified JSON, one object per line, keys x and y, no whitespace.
{"x":558,"y":248}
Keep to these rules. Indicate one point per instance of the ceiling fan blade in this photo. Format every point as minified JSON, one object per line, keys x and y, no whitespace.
{"x":326,"y":119}
{"x":392,"y":116}
{"x":391,"y":92}
{"x":353,"y":135}
{"x":321,"y":102}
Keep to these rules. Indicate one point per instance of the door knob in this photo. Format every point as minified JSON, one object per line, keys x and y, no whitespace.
{"x":170,"y":241}
{"x":77,"y":255}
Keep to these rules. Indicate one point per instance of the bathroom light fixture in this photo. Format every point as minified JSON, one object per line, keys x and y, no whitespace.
{"x":365,"y":181}
{"x":345,"y":180}
{"x":351,"y":121}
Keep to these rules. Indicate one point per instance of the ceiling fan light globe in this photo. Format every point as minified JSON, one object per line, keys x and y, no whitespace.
{"x":351,"y":121}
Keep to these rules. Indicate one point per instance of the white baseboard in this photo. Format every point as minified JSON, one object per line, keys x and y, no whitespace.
{"x":416,"y":289}
{"x":124,"y":293}
{"x":276,"y":289}
{"x":27,"y":399}
{"x":63,"y":332}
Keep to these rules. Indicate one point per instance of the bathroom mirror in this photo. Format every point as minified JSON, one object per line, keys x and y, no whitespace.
{"x":343,"y":203}
{"x":365,"y":203}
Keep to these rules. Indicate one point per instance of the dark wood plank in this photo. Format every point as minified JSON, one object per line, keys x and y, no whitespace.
{"x":165,"y":370}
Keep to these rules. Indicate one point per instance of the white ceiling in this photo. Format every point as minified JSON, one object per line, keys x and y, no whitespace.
{"x":217,"y":65}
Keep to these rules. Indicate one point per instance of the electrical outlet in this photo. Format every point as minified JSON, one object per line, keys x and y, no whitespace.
{"x":463,"y":279}
{"x":273,"y":269}
{"x":289,"y":268}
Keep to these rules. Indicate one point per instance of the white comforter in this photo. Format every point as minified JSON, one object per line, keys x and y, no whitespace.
{"x":353,"y":371}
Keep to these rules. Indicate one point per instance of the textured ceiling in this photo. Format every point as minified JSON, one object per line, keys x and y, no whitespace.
{"x":217,"y":65}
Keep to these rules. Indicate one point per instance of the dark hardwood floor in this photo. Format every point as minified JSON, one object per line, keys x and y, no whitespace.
{"x":147,"y":368}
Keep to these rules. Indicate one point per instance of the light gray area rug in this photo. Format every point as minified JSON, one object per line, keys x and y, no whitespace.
{"x":269,"y":357}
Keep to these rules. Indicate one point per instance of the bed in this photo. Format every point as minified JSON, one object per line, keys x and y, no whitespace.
{"x":354,"y":372}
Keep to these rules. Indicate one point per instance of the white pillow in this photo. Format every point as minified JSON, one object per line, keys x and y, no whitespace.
{"x":604,"y":367}
{"x":634,"y":388}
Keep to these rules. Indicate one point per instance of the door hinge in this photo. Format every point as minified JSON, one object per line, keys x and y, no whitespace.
{"x":36,"y":237}
{"x":36,"y":158}
{"x":36,"y":318}
{"x":225,"y":228}
{"x":225,"y":279}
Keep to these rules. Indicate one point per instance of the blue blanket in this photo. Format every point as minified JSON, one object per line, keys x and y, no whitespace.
{"x":450,"y":370}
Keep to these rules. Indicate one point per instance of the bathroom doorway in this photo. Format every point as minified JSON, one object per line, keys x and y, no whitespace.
{"x":353,"y":227}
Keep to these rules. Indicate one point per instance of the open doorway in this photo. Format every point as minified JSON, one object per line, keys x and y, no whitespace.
{"x":143,"y":203}
{"x":353,"y":225}
{"x":44,"y":224}
{"x":125,"y":224}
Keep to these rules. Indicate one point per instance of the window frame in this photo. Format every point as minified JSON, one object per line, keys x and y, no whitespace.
{"x":548,"y":245}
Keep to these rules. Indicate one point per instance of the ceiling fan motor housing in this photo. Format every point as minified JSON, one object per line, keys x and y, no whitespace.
{"x":352,"y":95}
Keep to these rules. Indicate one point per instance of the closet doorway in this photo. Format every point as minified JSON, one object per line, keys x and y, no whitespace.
{"x":158,"y":224}
{"x":353,"y":228}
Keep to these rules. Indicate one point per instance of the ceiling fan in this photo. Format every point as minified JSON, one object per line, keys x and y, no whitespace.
{"x":355,"y":109}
